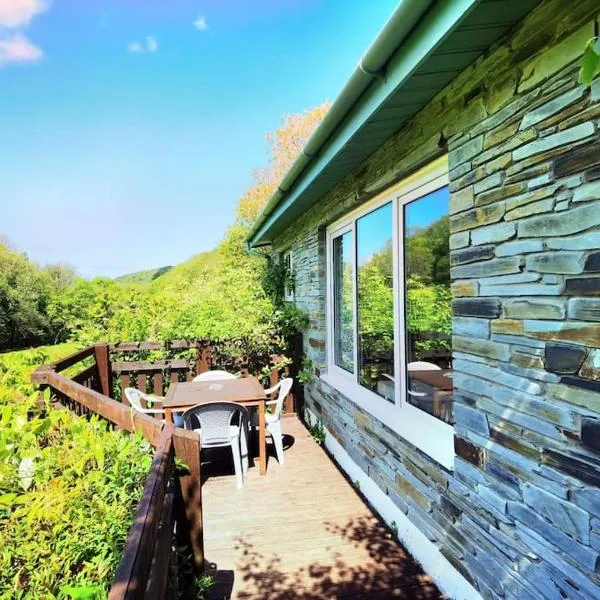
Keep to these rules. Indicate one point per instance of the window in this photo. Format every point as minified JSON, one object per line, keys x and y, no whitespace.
{"x":428,"y":302}
{"x":375,"y":304}
{"x":343,"y":283}
{"x":288,"y":292}
{"x":389,"y":310}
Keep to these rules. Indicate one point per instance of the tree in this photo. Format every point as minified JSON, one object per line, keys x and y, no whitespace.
{"x":428,"y":253}
{"x":217,"y":294}
{"x":284,"y":145}
{"x":24,"y":294}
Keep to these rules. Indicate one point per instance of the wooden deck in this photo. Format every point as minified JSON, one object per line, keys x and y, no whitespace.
{"x":301,"y":531}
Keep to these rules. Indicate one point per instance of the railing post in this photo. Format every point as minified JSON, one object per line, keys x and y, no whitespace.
{"x":274,"y":377}
{"x":187,"y":449}
{"x":203,"y":357}
{"x":295,"y":400}
{"x":104,"y":370}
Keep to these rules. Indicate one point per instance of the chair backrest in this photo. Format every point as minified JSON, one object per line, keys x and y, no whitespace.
{"x":214,"y":376}
{"x":421,"y":365}
{"x":134,"y":397}
{"x":284,"y":389}
{"x":215,"y":419}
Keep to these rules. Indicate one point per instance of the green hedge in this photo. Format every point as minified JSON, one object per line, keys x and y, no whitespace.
{"x":68,"y":490}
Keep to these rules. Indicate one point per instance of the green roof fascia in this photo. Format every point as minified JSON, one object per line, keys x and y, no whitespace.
{"x":440,"y":20}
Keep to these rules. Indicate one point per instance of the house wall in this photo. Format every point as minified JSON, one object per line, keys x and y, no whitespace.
{"x":519,"y":516}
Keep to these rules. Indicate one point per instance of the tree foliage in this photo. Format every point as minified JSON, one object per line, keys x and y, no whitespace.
{"x":428,"y":253}
{"x":590,"y":63}
{"x":26,"y":290}
{"x":285,"y":143}
{"x":68,"y":489}
{"x":68,"y":485}
{"x":218,"y":294}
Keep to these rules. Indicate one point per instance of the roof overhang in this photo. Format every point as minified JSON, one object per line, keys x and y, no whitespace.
{"x":420,"y":50}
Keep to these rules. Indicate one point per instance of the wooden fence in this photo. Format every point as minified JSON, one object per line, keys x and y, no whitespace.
{"x":155,"y":375}
{"x":143,"y":571}
{"x":169,"y":497}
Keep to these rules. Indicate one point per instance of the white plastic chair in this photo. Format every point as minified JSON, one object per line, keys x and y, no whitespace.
{"x":273,"y":419}
{"x":422,"y":365}
{"x":222,"y":424}
{"x":214,"y":376}
{"x":135,"y":397}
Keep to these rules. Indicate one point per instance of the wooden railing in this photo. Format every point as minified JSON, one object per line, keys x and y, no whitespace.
{"x":143,"y":571}
{"x":155,"y":375}
{"x":166,"y":498}
{"x":92,"y":384}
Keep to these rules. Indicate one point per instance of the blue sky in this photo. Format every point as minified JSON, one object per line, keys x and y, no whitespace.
{"x":130,"y":128}
{"x":374,"y":231}
{"x":375,"y":228}
{"x":421,"y":213}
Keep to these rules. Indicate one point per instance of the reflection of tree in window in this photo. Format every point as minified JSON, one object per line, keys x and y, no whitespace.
{"x":428,"y":298}
{"x":376,"y":301}
{"x":343,"y":282}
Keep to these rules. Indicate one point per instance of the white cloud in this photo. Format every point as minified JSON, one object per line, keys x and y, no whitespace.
{"x":135,"y":47}
{"x":19,"y":13}
{"x":149,"y":45}
{"x":200,"y":23}
{"x":18,"y":49}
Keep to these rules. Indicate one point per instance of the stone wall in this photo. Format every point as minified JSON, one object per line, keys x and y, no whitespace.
{"x":519,"y":516}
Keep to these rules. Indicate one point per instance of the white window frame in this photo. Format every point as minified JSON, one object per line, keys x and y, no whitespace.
{"x":426,"y":432}
{"x":288,"y":295}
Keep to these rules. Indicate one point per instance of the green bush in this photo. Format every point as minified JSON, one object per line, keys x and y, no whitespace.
{"x":69,"y":488}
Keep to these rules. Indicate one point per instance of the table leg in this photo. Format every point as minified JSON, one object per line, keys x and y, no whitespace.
{"x":437,"y":404}
{"x":168,"y":415}
{"x":262,"y":438}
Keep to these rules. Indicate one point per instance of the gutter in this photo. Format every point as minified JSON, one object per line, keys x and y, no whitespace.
{"x":370,"y":67}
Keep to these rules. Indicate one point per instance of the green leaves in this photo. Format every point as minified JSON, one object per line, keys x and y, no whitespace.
{"x":68,"y":491}
{"x":84,"y":592}
{"x":590,"y":63}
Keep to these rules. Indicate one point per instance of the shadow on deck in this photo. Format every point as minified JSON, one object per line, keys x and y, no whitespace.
{"x":302,"y":531}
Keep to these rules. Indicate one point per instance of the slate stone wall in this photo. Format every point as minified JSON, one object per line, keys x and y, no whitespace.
{"x":519,"y":516}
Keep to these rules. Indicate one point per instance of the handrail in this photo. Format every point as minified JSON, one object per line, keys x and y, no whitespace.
{"x":153,"y":376}
{"x":144,"y":566}
{"x":140,"y":548}
{"x":154,"y":345}
{"x":146,"y":365}
{"x":143,"y":571}
{"x":113,"y":411}
{"x":73,"y":359}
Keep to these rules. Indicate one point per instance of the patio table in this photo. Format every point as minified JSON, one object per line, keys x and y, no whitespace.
{"x":439,"y":379}
{"x":246,"y":391}
{"x":442,"y":386}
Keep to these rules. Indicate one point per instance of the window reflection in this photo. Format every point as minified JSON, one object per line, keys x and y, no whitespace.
{"x":428,"y":302}
{"x":376,"y":301}
{"x":343,"y":293}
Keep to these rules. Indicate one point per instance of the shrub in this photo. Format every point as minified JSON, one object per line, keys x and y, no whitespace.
{"x":69,"y":488}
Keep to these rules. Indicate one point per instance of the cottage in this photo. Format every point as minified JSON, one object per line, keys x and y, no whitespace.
{"x":443,"y":227}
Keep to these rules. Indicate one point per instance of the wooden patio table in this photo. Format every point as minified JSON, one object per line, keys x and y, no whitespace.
{"x":440,"y":381}
{"x":246,"y":391}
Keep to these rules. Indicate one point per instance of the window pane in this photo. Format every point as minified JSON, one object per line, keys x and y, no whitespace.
{"x":343,"y":286}
{"x":376,"y":301}
{"x":428,"y":304}
{"x":289,"y":276}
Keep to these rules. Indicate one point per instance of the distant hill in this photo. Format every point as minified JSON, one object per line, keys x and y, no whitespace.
{"x":143,"y":276}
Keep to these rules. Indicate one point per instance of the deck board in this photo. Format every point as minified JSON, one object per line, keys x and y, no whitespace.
{"x":301,"y":531}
